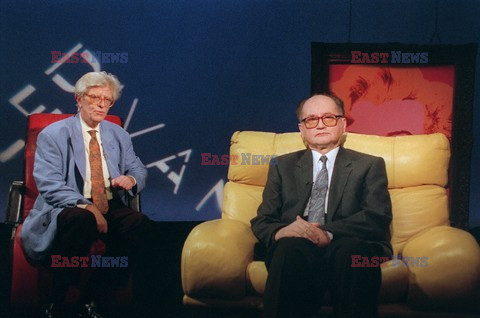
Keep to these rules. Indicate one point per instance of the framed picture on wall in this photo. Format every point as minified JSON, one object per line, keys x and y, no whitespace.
{"x":400,"y":89}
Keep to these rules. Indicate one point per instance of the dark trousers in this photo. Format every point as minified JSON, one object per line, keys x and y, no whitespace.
{"x":128,"y":231}
{"x":299,"y":274}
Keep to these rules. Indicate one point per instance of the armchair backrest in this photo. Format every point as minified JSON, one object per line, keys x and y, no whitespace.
{"x":35,"y":124}
{"x":417,"y":169}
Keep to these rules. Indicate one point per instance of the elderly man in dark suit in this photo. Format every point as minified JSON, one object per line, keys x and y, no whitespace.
{"x":321,"y":206}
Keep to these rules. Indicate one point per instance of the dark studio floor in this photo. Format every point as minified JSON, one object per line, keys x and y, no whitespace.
{"x":158,"y":289}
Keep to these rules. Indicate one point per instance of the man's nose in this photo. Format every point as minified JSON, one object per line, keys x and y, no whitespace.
{"x":320,"y":124}
{"x":103,"y":103}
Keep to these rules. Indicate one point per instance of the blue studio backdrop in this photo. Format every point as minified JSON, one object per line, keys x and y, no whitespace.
{"x":194,"y":72}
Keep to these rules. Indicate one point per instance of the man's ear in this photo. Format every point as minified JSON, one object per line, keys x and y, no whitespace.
{"x":77,"y":101}
{"x":300,"y":128}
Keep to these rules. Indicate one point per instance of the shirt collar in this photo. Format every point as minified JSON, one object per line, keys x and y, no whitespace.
{"x":331,"y":155}
{"x":86,"y":128}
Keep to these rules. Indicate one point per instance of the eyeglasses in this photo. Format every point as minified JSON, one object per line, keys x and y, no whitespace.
{"x":94,"y":99}
{"x":329,"y":120}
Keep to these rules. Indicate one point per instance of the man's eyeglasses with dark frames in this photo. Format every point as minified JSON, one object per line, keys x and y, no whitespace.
{"x":329,"y":120}
{"x":97,"y":100}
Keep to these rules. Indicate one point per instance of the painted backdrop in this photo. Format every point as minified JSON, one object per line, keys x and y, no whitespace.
{"x":194,"y":72}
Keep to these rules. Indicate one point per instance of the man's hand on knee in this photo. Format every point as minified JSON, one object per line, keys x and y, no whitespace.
{"x":102,"y":225}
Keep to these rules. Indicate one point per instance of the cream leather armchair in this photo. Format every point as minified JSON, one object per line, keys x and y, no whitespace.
{"x":217,"y":260}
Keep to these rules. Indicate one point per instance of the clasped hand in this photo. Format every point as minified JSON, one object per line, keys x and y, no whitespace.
{"x":302,"y":228}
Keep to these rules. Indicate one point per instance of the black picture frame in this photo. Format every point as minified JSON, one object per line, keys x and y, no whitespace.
{"x":462,"y":58}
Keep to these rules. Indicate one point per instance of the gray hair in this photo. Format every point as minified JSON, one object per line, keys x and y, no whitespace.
{"x":93,"y":79}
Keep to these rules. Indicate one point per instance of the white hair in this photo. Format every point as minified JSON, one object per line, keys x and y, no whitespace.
{"x":93,"y":79}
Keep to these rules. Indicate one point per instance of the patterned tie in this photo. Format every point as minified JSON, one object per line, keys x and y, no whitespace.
{"x":99,"y":192}
{"x":316,"y":211}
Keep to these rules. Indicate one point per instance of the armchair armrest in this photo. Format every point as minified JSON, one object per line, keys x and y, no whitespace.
{"x":215,"y":258}
{"x":452,"y":276}
{"x":14,"y":205}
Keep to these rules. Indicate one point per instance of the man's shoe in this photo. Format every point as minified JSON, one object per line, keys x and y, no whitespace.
{"x":89,"y":311}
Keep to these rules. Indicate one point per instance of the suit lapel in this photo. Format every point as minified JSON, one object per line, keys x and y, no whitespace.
{"x":341,"y":172}
{"x":78,"y":146}
{"x":304,"y":177}
{"x":108,"y":150}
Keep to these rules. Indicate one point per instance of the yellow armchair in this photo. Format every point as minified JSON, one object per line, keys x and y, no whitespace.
{"x":218,"y":267}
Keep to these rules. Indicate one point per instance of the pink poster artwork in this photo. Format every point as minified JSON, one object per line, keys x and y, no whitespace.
{"x":390,"y":101}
